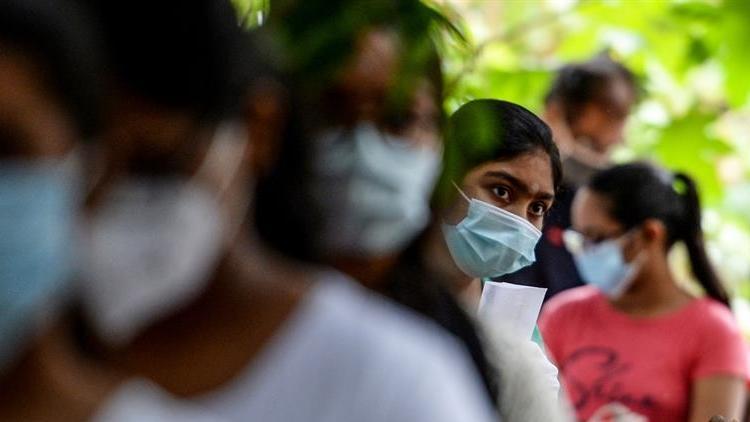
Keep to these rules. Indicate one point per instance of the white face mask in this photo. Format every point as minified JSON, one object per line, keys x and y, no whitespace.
{"x":153,"y":244}
{"x":373,"y":190}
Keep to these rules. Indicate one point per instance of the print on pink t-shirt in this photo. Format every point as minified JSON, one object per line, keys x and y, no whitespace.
{"x":645,"y":364}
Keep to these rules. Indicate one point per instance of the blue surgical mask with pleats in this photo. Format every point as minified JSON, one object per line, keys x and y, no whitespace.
{"x":372,"y":190}
{"x":490,"y":242}
{"x":37,"y":210}
{"x":604,"y":267}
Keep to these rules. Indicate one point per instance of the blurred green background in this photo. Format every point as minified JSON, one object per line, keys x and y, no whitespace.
{"x":693,"y":62}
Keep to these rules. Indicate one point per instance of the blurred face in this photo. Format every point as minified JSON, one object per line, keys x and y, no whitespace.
{"x":601,"y":127}
{"x":37,"y":204}
{"x":148,"y":141}
{"x":32,"y":124}
{"x":374,"y":165}
{"x":591,"y":219}
{"x":169,"y":206}
{"x":523,"y":186}
{"x":367,"y":81}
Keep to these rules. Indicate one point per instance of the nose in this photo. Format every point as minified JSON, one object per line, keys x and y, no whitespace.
{"x":615,"y":134}
{"x":518,"y":209}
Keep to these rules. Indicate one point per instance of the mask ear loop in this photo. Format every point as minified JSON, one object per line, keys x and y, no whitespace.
{"x":461,"y":192}
{"x":226,"y":152}
{"x":641,"y":256}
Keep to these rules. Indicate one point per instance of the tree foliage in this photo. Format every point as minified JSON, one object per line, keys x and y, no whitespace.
{"x":690,"y":58}
{"x":692,"y":64}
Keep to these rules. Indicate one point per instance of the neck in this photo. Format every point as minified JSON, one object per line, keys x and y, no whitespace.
{"x":369,"y":271}
{"x":654,"y":291}
{"x":52,"y":382}
{"x":251,"y":295}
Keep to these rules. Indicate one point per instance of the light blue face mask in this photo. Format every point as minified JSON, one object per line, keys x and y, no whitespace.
{"x":604,"y":267}
{"x":36,"y":217}
{"x":373,"y":190}
{"x":490,"y":242}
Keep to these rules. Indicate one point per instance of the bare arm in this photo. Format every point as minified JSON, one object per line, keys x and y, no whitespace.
{"x":718,"y":395}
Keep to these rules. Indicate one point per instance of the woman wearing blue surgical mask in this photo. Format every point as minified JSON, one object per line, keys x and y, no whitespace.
{"x":48,"y":104}
{"x":501,"y":172}
{"x":634,"y":341}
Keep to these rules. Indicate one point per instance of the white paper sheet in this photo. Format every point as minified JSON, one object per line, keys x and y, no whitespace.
{"x":513,"y":306}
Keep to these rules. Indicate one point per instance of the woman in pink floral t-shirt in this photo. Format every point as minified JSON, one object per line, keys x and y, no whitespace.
{"x":633,"y":340}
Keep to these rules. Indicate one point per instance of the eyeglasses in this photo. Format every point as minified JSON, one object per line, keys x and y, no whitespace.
{"x":577,"y":243}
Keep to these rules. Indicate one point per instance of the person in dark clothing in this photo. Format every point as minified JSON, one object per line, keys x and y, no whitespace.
{"x":587,"y":108}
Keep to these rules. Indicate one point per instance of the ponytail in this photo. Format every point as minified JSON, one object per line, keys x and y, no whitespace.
{"x":639,"y":191}
{"x":689,"y":231}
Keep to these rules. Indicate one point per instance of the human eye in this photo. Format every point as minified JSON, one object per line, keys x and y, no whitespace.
{"x":538,"y":209}
{"x":502,"y":192}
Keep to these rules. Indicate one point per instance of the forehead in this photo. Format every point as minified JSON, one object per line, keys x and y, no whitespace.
{"x":20,"y":81}
{"x":534,"y":169}
{"x":373,"y":61}
{"x":616,"y":101}
{"x":590,"y":212}
{"x":32,"y":121}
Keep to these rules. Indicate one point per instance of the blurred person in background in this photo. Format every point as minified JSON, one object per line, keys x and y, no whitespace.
{"x":48,"y":106}
{"x":178,"y":288}
{"x":501,"y":172}
{"x":633,"y":341}
{"x":587,"y":108}
{"x":363,"y":148}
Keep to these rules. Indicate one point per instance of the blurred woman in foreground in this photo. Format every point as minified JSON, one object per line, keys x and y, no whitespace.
{"x":178,"y":287}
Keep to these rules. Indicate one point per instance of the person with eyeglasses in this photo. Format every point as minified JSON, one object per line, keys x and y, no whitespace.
{"x":634,"y":341}
{"x":587,"y":108}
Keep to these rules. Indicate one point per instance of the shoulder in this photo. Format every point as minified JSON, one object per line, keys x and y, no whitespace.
{"x":572,"y":300}
{"x":720,"y":348}
{"x":139,"y":400}
{"x":377,"y":325}
{"x":399,"y":354}
{"x":713,"y":317}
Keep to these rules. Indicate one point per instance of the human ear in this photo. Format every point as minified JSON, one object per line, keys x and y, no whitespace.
{"x":654,"y":232}
{"x":265,"y":115}
{"x":651,"y":237}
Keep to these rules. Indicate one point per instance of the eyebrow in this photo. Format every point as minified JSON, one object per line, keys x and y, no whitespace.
{"x":519,"y":184}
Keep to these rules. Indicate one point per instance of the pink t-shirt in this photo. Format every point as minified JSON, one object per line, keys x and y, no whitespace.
{"x":646,"y":364}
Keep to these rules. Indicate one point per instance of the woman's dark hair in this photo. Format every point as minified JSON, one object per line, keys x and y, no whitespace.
{"x":413,"y":284}
{"x":579,"y":84}
{"x":488,"y":130}
{"x":56,"y":36}
{"x":185,"y":55}
{"x":640,"y":191}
